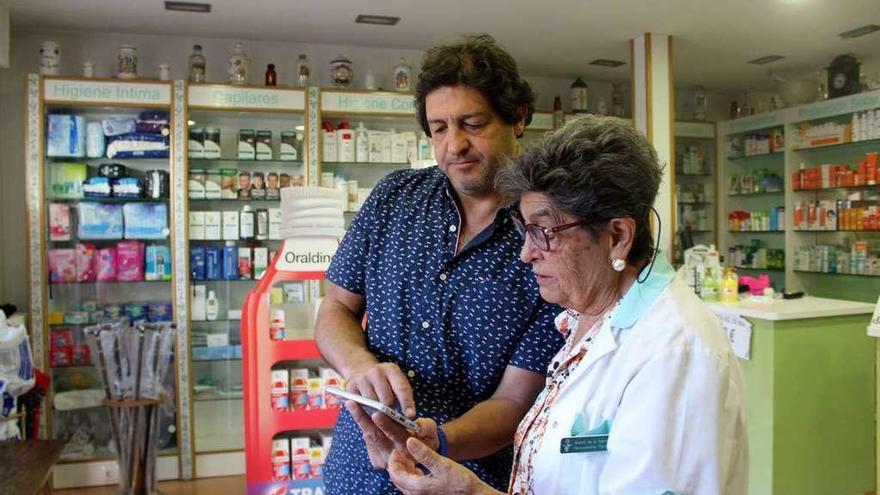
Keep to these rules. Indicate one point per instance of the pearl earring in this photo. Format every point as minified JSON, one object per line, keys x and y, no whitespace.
{"x":618,"y":264}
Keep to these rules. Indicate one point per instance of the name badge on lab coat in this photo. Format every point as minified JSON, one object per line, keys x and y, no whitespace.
{"x":583,"y":440}
{"x":589,"y":443}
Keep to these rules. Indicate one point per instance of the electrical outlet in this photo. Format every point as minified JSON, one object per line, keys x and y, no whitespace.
{"x":110,"y":473}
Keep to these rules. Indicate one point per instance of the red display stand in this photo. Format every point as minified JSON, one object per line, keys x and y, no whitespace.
{"x":298,"y":260}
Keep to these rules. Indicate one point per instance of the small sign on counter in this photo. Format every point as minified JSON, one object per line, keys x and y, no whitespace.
{"x":739,"y":331}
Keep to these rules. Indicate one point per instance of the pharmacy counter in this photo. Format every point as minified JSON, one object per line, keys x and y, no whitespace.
{"x":810,"y":392}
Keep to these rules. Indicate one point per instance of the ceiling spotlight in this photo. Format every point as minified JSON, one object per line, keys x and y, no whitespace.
{"x":201,"y":8}
{"x":604,"y":62}
{"x":766,"y":59}
{"x":380,"y":20}
{"x":861,"y":31}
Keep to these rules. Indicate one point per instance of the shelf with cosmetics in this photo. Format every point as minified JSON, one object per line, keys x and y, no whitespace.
{"x":98,"y":167}
{"x":811,"y":172}
{"x":695,"y":189}
{"x":751,"y":158}
{"x":364,"y":136}
{"x":244,"y":143}
{"x":834,"y":202}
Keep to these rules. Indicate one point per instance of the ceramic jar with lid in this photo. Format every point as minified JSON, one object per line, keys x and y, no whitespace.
{"x":127,"y":62}
{"x":50,"y":59}
{"x":402,"y":76}
{"x":340,"y":71}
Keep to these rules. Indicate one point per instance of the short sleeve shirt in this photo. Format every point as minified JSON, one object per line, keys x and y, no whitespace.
{"x":452,"y":322}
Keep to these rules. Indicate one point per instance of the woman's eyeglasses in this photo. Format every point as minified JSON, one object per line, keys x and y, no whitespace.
{"x":540,"y":235}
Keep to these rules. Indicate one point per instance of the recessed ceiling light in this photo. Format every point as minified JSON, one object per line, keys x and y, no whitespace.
{"x":766,"y":59}
{"x":861,"y":31}
{"x":201,"y":8}
{"x":381,"y":20}
{"x":604,"y":62}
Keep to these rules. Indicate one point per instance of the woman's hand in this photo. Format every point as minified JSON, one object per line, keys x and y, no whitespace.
{"x":379,"y":447}
{"x":445,"y":476}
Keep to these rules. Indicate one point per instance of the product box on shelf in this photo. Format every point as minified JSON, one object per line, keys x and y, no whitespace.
{"x":247,"y":141}
{"x":213,"y":225}
{"x":330,"y":148}
{"x":197,"y":225}
{"x":230,"y":225}
{"x":211,"y":144}
{"x":196,"y":146}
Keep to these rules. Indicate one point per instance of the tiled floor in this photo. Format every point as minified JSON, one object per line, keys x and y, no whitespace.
{"x":232,"y":485}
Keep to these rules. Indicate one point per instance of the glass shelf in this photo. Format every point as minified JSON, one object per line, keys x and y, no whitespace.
{"x":110,"y":282}
{"x":695,"y":203}
{"x":217,"y":360}
{"x":242,"y":161}
{"x":817,"y":231}
{"x":110,"y":200}
{"x":103,"y":242}
{"x":367,"y":164}
{"x":219,"y":399}
{"x":236,"y":200}
{"x":839,"y":188}
{"x":756,"y":231}
{"x":66,"y":159}
{"x":843,"y":274}
{"x":775,"y":154}
{"x":762,"y":193}
{"x":865,"y":142}
{"x":242,"y":242}
{"x":682,"y":174}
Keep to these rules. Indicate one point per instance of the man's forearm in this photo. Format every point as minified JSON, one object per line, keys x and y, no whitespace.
{"x":340,"y":339}
{"x":485,"y":429}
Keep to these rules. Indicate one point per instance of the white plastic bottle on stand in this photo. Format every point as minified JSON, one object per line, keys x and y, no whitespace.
{"x":362,"y":144}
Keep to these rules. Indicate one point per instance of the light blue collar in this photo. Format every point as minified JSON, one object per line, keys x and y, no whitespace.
{"x":639,"y":297}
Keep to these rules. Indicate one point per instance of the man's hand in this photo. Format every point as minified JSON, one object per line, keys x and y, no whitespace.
{"x":384,"y":382}
{"x":379,"y":443}
{"x":445,"y":476}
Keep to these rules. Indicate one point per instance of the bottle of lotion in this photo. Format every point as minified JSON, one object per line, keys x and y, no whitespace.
{"x":362,"y":144}
{"x":212,"y":307}
{"x":247,"y":223}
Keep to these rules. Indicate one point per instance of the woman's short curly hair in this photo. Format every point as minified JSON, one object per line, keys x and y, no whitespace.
{"x":478,"y":62}
{"x":593,"y":168}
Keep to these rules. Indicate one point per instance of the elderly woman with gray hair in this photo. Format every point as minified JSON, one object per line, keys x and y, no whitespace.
{"x":645,"y":396}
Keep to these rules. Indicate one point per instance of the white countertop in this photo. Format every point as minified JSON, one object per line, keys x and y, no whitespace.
{"x":796,"y":309}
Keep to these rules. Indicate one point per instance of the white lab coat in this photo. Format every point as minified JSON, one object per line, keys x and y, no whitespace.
{"x":673,"y":392}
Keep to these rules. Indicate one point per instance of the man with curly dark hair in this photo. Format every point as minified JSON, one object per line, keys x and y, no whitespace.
{"x":457,"y":334}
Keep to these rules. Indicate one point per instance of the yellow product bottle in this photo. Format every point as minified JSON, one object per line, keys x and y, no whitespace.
{"x":730,"y":287}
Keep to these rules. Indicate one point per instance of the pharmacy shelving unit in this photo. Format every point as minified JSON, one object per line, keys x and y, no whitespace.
{"x":842,"y":149}
{"x":738,"y":160}
{"x":377,"y":111}
{"x":218,"y":158}
{"x":695,"y":182}
{"x":839,"y":141}
{"x":63,"y":303}
{"x":261,"y":354}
